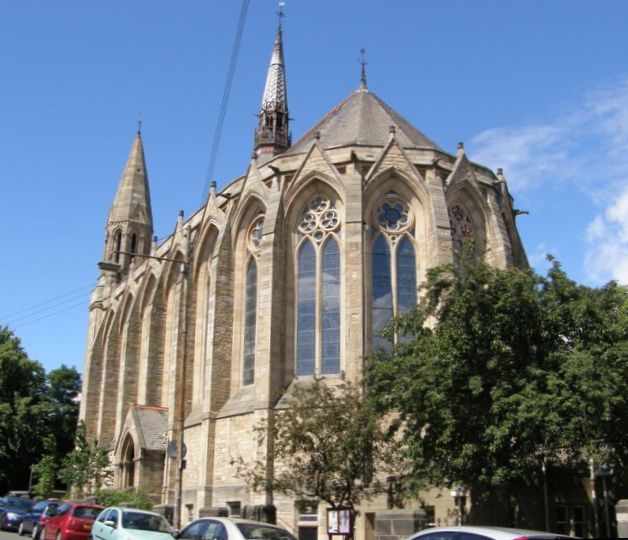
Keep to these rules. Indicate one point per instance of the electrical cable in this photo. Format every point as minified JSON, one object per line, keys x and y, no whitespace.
{"x":73,"y":292}
{"x":225,"y":97}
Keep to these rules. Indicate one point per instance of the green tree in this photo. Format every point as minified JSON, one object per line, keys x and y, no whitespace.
{"x":86,"y":467}
{"x":62,"y":391}
{"x":45,"y":472}
{"x":325,"y":442}
{"x":518,"y":368}
{"x":24,"y":412}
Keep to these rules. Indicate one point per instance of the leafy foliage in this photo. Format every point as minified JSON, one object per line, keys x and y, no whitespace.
{"x":45,"y":471}
{"x":325,"y":443}
{"x":86,"y":467}
{"x":519,"y":368}
{"x":134,"y":499}
{"x":23,"y":412}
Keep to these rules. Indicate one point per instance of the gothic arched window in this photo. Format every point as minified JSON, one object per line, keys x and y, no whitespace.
{"x":318,"y":290}
{"x":393,"y":266}
{"x":463,"y":234}
{"x":254,"y":241}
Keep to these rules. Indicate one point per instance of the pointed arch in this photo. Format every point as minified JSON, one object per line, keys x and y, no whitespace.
{"x":468,"y":215}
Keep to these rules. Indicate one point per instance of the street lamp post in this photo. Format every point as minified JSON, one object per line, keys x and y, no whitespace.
{"x":459,"y":495}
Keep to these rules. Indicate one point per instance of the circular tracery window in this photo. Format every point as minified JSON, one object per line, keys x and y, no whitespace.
{"x":319,"y":217}
{"x":393,"y":215}
{"x":255,"y":234}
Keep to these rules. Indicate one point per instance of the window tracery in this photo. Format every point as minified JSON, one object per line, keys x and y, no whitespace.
{"x":254,"y":240}
{"x":318,"y":289}
{"x":462,"y":229}
{"x":393,"y":265}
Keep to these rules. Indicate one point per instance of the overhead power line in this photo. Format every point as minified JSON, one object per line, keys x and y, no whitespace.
{"x":225,"y":96}
{"x":56,"y":301}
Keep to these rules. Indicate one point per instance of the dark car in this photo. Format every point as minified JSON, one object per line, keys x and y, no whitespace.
{"x":33,"y":522}
{"x":11,"y":511}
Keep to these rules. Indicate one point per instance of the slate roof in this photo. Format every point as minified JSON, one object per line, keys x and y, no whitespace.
{"x":362,"y":119}
{"x":153,"y":422}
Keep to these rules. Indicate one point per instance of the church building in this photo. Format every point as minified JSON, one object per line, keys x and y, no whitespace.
{"x":287,"y":273}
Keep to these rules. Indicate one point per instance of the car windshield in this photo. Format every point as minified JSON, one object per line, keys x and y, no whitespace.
{"x":144,"y":522}
{"x":40,"y":506}
{"x":86,"y":512}
{"x":16,"y":502}
{"x":251,"y":531}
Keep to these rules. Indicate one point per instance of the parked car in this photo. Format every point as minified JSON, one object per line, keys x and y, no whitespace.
{"x":11,"y":511}
{"x":71,"y":521}
{"x":33,"y":522}
{"x":483,"y":533}
{"x":116,"y":523}
{"x":232,"y":529}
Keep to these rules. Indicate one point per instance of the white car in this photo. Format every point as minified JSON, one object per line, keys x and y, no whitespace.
{"x":483,"y":533}
{"x":115,"y":523}
{"x":215,"y":528}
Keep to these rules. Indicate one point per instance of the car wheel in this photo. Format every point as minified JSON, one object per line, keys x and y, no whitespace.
{"x":20,"y":529}
{"x":35,"y":533}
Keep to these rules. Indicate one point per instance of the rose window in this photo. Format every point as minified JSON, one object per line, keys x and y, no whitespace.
{"x":255,"y":234}
{"x":393,"y":216}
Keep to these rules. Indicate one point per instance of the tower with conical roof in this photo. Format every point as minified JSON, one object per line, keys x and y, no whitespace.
{"x":129,"y":227}
{"x":272,"y":135}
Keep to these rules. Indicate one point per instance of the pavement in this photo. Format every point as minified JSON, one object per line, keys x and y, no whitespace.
{"x":5,"y":535}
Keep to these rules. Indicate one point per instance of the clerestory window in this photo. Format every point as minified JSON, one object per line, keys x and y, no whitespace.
{"x":393,"y":266}
{"x":318,"y":290}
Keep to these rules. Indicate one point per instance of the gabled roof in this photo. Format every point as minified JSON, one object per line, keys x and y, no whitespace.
{"x":152,"y":424}
{"x":362,"y":119}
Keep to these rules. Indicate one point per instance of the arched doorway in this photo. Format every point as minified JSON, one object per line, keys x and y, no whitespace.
{"x":128,"y":463}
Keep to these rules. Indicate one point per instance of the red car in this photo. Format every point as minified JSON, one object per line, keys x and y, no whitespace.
{"x":71,"y":521}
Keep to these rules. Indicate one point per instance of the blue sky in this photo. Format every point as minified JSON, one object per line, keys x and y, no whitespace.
{"x":539,"y":88}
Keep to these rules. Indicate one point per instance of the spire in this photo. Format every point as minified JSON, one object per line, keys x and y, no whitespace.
{"x":363,"y":62}
{"x":130,"y":222}
{"x":272,"y":135}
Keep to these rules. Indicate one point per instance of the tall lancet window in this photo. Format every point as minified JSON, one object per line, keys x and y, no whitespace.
{"x":250,"y":301}
{"x":393,"y":266}
{"x":318,"y":290}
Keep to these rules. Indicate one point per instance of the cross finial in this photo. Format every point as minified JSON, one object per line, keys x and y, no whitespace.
{"x":139,"y":124}
{"x":280,"y":13}
{"x":363,"y":63}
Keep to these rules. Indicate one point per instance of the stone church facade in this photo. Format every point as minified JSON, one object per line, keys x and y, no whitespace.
{"x":287,"y":273}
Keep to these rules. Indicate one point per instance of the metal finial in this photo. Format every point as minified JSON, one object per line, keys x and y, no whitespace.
{"x":363,"y":62}
{"x":139,"y":124}
{"x":280,"y":13}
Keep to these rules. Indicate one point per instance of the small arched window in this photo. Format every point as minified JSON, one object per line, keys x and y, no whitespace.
{"x":117,"y":245}
{"x":318,"y":290}
{"x":393,"y":266}
{"x":254,"y":240}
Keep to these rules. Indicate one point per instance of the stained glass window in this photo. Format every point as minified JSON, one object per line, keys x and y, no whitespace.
{"x":318,"y":290}
{"x":306,"y":310}
{"x":330,"y":343}
{"x":393,"y":266}
{"x":250,"y":323}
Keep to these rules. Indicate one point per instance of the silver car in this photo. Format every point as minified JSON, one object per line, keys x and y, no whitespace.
{"x":483,"y":533}
{"x":232,"y":529}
